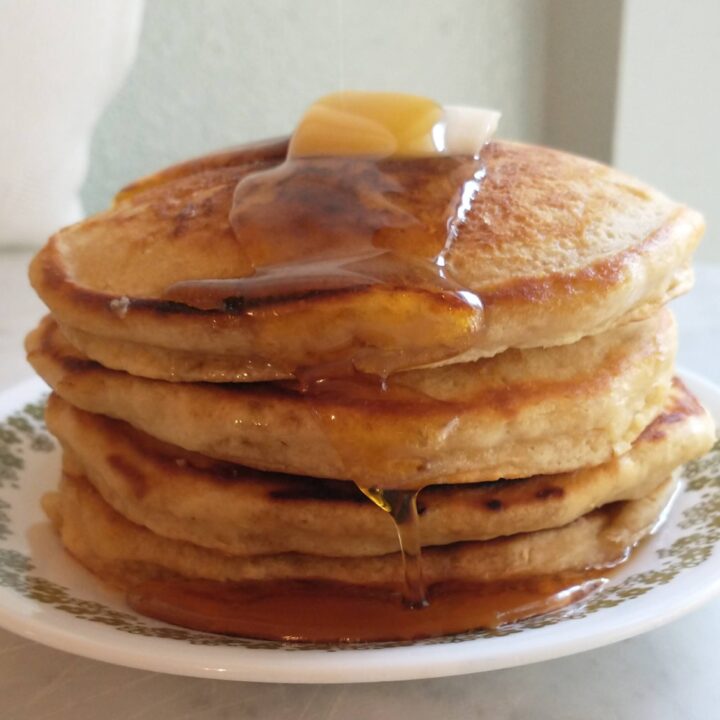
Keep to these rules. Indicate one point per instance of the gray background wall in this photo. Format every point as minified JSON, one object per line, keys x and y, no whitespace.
{"x":216,"y":73}
{"x":590,"y":76}
{"x":667,"y":127}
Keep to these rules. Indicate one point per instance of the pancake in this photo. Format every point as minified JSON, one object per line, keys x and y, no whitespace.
{"x":557,"y":247}
{"x":519,"y":414}
{"x":125,"y":554}
{"x":239,"y":511}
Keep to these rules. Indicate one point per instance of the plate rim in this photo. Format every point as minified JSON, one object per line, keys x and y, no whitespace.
{"x":279,"y":665}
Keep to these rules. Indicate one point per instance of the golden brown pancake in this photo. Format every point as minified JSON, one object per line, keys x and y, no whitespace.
{"x":237,"y":510}
{"x":126,"y":554}
{"x":557,"y":247}
{"x":335,"y":347}
{"x":522,"y":413}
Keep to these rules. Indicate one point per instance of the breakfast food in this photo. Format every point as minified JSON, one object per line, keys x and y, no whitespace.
{"x":230,"y":508}
{"x":255,"y":354}
{"x":624,"y":252}
{"x":513,"y":415}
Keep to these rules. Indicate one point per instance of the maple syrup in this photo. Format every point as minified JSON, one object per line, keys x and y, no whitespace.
{"x":356,"y":225}
{"x":322,"y":612}
{"x":366,"y":199}
{"x":402,"y":507}
{"x":369,"y":198}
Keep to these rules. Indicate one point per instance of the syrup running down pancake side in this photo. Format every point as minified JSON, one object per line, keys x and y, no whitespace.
{"x":367,"y":198}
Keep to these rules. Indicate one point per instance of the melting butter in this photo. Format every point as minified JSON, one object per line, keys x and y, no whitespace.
{"x":375,"y":124}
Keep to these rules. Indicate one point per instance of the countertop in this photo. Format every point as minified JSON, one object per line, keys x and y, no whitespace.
{"x":668,"y":673}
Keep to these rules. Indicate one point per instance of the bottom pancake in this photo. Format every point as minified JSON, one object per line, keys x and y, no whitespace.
{"x":125,"y":554}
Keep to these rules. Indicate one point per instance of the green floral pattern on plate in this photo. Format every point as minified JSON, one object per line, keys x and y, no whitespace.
{"x":24,"y":431}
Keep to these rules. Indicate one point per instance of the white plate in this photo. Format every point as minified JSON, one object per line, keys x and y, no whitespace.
{"x":46,"y":596}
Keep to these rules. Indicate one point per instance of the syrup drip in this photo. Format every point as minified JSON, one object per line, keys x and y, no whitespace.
{"x":310,"y":611}
{"x":402,"y":506}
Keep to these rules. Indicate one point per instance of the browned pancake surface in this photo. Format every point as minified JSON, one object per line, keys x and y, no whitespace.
{"x":234,"y":509}
{"x":125,"y":554}
{"x":518,"y":414}
{"x":557,"y":247}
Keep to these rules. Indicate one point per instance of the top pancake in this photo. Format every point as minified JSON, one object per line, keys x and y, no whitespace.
{"x":557,"y":247}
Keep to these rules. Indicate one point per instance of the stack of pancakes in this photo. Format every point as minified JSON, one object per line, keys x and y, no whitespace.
{"x":189,"y":451}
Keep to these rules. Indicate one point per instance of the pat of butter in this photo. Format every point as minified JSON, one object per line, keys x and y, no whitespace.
{"x":390,"y":124}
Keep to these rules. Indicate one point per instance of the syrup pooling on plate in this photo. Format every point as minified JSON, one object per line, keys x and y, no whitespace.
{"x":323,"y":612}
{"x":373,"y":193}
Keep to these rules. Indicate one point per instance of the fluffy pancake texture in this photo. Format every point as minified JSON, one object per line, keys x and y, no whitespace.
{"x":484,"y":353}
{"x":556,"y":246}
{"x":126,"y":554}
{"x":521,"y":413}
{"x":236,"y":510}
